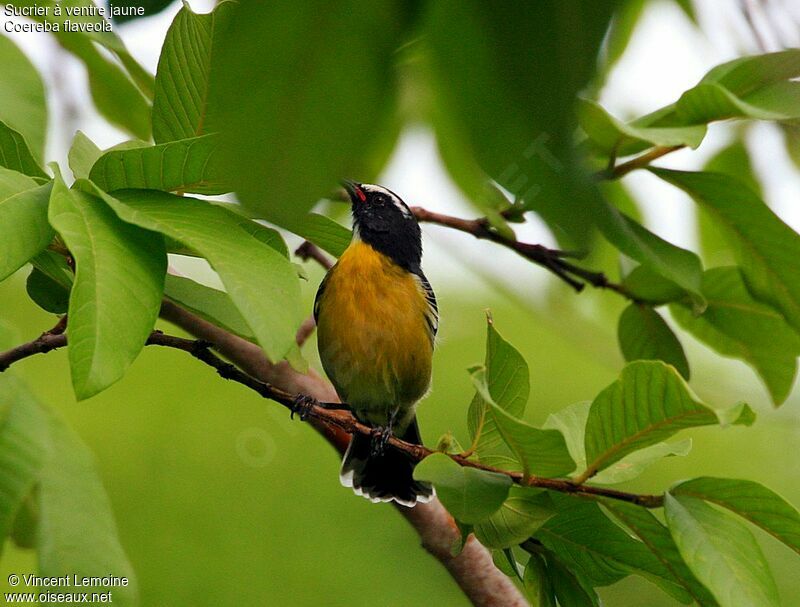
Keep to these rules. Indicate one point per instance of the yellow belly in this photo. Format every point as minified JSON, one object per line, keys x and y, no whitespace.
{"x":373,"y":338}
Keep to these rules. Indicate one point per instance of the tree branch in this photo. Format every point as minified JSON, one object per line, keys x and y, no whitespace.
{"x":47,"y":341}
{"x":333,"y":416}
{"x":551,"y":259}
{"x":473,"y":568}
{"x":306,"y":330}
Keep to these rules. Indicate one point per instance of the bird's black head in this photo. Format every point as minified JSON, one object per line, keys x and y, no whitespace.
{"x":382,"y":220}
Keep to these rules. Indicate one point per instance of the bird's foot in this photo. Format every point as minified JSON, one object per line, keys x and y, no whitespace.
{"x":379,"y":439}
{"x":302,"y":405}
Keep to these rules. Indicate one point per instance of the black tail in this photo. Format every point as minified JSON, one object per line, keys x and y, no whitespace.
{"x":382,"y":478}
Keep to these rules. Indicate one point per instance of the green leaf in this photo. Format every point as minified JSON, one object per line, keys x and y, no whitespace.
{"x":611,"y":136}
{"x":209,"y":304}
{"x":570,"y":590}
{"x":324,"y":232}
{"x":634,"y":464}
{"x":648,"y":403}
{"x":115,"y":95}
{"x":791,"y":139}
{"x":590,"y":543}
{"x":15,"y":154}
{"x":503,"y":90}
{"x":734,"y":160}
{"x":688,"y":9}
{"x":665,"y":259}
{"x":25,"y":229}
{"x":188,"y":165}
{"x":119,"y":275}
{"x":23,"y":106}
{"x":184,"y":67}
{"x":271,"y":238}
{"x":507,"y":375}
{"x":643,"y":335}
{"x":13,"y":182}
{"x":505,"y":561}
{"x":736,"y":325}
{"x":295,"y":130}
{"x":47,"y":293}
{"x":506,"y":380}
{"x":571,"y":422}
{"x":541,"y":452}
{"x":759,"y":87}
{"x":269,"y":300}
{"x":22,"y":442}
{"x":51,"y":494}
{"x":24,"y":530}
{"x":764,"y":246}
{"x":55,"y":267}
{"x":749,"y":87}
{"x":657,"y":538}
{"x":464,"y":532}
{"x":650,"y":287}
{"x":537,"y":585}
{"x":750,"y":500}
{"x":710,"y":101}
{"x":82,"y":155}
{"x":77,"y":534}
{"x":721,"y":552}
{"x":469,"y":494}
{"x":524,"y":511}
{"x":731,"y":160}
{"x":620,"y":32}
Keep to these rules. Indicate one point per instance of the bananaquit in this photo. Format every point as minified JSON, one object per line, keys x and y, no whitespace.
{"x":377,"y":319}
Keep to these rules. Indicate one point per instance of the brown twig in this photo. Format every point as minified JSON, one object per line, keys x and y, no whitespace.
{"x":309,"y":250}
{"x":47,"y":341}
{"x":332,"y":414}
{"x":305,"y":330}
{"x":639,"y":162}
{"x":551,"y":259}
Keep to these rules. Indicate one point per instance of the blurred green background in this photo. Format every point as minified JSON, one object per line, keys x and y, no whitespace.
{"x":221,"y":500}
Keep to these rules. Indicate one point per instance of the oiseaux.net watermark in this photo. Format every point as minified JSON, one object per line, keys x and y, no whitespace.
{"x":70,"y":588}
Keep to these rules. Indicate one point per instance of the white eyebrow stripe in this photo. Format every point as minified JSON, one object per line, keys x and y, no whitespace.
{"x":373,"y":189}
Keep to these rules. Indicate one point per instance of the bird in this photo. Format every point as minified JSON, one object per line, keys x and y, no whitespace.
{"x":377,"y":319}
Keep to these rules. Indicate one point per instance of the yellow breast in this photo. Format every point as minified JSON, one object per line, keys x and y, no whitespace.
{"x":373,"y":338}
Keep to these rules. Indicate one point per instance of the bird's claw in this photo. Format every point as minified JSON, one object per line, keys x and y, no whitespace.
{"x":302,"y":405}
{"x":380,"y":438}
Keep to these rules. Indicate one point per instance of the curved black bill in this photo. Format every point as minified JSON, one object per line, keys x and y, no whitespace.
{"x":354,"y":190}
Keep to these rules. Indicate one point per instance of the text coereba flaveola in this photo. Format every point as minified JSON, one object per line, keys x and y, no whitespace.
{"x":377,"y":320}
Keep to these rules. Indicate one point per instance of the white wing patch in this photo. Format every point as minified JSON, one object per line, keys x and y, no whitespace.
{"x":401,"y":206}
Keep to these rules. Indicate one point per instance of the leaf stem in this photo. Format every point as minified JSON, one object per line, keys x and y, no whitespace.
{"x":640,"y":162}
